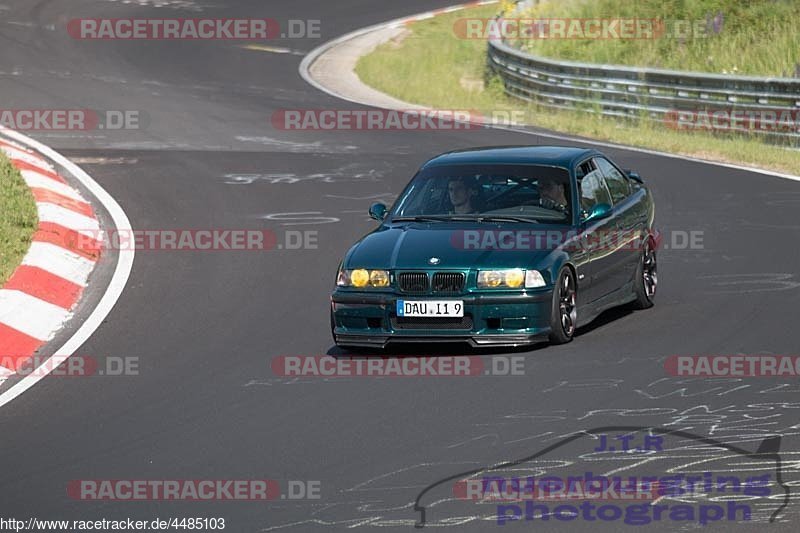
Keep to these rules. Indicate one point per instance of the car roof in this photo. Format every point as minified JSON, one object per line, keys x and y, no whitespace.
{"x":562,"y":156}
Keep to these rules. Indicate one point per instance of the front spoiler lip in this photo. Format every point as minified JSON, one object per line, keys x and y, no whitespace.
{"x":475,"y":341}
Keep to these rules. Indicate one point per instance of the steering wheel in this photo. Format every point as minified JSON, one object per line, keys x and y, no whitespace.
{"x":547,"y":203}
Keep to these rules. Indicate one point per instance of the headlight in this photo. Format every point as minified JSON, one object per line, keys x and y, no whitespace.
{"x":515,"y":278}
{"x":490,"y":278}
{"x":343,"y":279}
{"x":534,"y":279}
{"x":359,"y":277}
{"x":363,"y":278}
{"x":379,"y":278}
{"x":510,"y":279}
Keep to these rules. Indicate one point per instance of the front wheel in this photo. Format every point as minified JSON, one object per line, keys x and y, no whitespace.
{"x":564,"y":310}
{"x":646,"y":280}
{"x":333,"y":328}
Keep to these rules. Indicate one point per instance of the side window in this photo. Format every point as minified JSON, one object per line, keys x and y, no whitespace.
{"x":593,"y":189}
{"x":617,"y":183}
{"x":583,"y":169}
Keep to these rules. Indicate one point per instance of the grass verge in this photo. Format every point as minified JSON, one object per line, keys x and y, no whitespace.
{"x":429,"y":65}
{"x":18,"y":218}
{"x":759,"y":38}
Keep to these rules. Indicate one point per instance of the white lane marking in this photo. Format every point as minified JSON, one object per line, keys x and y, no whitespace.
{"x":69,"y":219}
{"x":60,"y":262}
{"x":308,"y":60}
{"x":40,"y":181}
{"x":118,"y":280}
{"x":306,"y":217}
{"x":105,"y":160}
{"x":272,"y":49}
{"x":30,"y":315}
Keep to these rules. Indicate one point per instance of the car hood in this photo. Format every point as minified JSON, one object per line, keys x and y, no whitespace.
{"x":457,"y":246}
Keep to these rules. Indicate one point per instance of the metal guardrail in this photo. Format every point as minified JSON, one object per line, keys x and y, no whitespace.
{"x":633,"y":92}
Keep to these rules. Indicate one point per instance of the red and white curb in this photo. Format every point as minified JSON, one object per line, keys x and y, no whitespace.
{"x":39,"y":297}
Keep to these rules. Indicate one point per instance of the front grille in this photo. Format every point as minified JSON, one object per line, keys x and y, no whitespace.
{"x":413,"y":282}
{"x":448,"y":282}
{"x":464,"y":322}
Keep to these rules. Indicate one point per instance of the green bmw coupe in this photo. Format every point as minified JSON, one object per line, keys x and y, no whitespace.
{"x":501,"y":246}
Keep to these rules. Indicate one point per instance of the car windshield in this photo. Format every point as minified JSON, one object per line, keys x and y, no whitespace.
{"x":525,"y":193}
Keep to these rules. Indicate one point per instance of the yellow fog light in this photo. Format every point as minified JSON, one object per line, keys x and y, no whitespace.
{"x":489,"y":278}
{"x":359,"y":277}
{"x":515,"y":278}
{"x":379,"y":278}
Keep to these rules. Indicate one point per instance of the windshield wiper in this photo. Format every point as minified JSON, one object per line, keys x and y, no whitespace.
{"x":424,"y":218}
{"x":464,"y":218}
{"x":505,"y":218}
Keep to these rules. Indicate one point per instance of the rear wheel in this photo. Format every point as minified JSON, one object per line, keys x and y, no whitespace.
{"x":564,"y":311}
{"x":646,"y":281}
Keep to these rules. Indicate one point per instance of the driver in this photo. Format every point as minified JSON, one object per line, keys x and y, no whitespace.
{"x":551,"y":194}
{"x":463,"y":193}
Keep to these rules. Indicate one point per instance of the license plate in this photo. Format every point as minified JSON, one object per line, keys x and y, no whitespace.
{"x":430,"y":308}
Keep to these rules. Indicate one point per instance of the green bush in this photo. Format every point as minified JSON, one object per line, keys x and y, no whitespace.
{"x":18,"y":218}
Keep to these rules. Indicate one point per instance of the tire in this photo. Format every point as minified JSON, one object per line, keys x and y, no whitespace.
{"x":645,"y":282}
{"x":564,"y":309}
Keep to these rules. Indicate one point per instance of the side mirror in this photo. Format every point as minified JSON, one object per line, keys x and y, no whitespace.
{"x":598,"y":212}
{"x":632,"y":174}
{"x":377,"y":211}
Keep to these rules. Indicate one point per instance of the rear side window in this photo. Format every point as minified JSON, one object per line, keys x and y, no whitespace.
{"x":618,"y":184}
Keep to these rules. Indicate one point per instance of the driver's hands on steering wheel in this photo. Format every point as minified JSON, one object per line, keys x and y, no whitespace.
{"x":547,"y":203}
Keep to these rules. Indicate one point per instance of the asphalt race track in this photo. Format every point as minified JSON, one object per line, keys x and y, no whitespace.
{"x":205,"y":326}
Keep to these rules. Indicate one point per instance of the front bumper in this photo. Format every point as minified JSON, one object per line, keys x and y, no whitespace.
{"x":367,"y":319}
